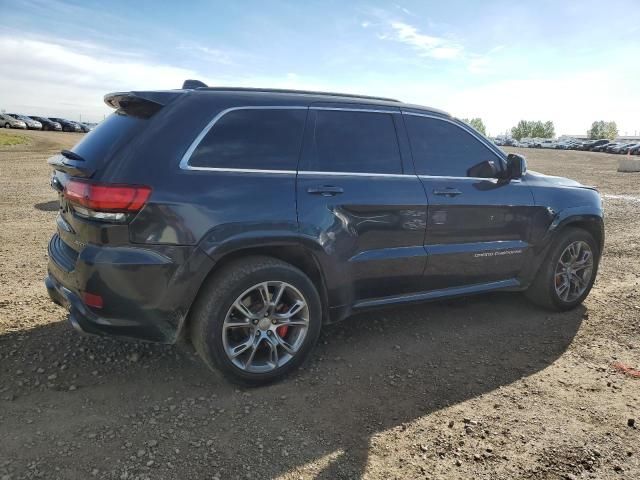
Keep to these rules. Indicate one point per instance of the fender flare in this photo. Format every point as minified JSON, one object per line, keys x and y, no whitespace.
{"x":217,"y":247}
{"x":585,"y":215}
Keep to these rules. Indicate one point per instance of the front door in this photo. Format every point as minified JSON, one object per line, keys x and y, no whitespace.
{"x":477,"y":228}
{"x":361,"y":203}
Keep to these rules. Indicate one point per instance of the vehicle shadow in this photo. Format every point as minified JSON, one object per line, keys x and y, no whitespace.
{"x":48,"y":206}
{"x":373,"y":372}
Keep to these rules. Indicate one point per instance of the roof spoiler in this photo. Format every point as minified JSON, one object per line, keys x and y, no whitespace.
{"x":139,"y":104}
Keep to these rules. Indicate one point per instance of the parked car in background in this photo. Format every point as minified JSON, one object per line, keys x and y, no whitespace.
{"x":67,"y":125}
{"x":192,"y":252}
{"x":600,"y":147}
{"x":7,"y":121}
{"x":595,"y":144}
{"x":612,"y":147}
{"x":48,"y":124}
{"x":635,"y":150}
{"x":84,"y":127}
{"x":548,"y":144}
{"x":625,"y":149}
{"x":30,"y":122}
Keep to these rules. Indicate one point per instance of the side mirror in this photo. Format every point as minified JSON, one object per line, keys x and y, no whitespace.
{"x":516,"y":166}
{"x":486,"y":169}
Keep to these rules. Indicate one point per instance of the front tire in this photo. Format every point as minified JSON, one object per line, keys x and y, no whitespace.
{"x":567,"y":275}
{"x":256,"y":320}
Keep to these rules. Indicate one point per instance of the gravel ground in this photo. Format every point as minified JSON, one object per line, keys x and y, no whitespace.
{"x":485,"y":387}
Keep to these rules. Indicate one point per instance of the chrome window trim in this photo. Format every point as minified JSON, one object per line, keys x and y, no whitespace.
{"x":496,"y":151}
{"x":241,"y":170}
{"x":389,"y":111}
{"x":184,"y":162}
{"x":306,"y":172}
{"x":448,"y":177}
{"x":357,"y":174}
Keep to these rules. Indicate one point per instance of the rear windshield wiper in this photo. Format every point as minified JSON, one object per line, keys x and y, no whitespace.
{"x":72,"y":155}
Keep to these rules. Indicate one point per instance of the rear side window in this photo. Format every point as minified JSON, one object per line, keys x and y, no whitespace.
{"x":444,"y":149}
{"x":114,"y":132}
{"x":359,"y":142}
{"x":263,"y":139}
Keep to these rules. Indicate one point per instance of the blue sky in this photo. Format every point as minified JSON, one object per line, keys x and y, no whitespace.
{"x":570,"y":62}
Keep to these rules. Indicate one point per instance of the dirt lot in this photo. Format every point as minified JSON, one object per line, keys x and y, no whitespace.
{"x":485,"y":387}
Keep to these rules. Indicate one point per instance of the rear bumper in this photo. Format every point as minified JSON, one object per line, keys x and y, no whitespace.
{"x":86,"y":321}
{"x":146,"y":292}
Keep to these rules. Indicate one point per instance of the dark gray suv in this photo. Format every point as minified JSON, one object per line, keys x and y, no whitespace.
{"x":245,"y":219}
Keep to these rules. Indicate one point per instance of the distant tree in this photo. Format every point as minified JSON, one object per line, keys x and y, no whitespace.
{"x":476,"y":123}
{"x":521,"y":130}
{"x":602,"y":129}
{"x":533,"y":129}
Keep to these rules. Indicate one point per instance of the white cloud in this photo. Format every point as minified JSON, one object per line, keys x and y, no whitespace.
{"x":208,"y":54}
{"x":426,"y":45}
{"x":479,"y":64}
{"x":58,"y":78}
{"x":571,"y":101}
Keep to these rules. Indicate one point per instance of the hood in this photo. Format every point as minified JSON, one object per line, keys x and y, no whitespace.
{"x":542,"y":179}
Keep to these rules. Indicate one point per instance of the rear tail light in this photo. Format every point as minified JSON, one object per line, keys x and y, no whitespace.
{"x":104,"y":201}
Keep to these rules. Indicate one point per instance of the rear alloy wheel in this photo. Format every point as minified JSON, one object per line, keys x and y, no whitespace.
{"x":265,"y":327}
{"x":6,"y":125}
{"x":567,"y":275}
{"x":256,"y":320}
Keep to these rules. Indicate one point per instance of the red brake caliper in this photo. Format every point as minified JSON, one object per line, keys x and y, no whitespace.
{"x":282,"y":331}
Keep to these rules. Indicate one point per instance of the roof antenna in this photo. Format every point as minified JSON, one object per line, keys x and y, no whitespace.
{"x":193,"y":84}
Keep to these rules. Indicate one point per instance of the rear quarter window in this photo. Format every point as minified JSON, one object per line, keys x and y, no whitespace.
{"x":113,"y":133}
{"x":260,"y":139}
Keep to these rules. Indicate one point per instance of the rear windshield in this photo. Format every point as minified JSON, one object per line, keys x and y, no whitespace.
{"x":108,"y":137}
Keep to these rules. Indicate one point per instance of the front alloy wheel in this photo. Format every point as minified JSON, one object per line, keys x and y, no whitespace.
{"x":567,"y":274}
{"x":573,"y":271}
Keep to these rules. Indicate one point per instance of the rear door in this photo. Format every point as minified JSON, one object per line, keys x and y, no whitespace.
{"x":477,"y":228}
{"x":359,"y":198}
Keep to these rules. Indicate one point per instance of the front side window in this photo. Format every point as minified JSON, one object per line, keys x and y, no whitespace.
{"x":352,"y":141}
{"x":444,"y":149}
{"x":262,"y":139}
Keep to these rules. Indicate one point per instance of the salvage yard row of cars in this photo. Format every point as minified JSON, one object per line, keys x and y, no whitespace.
{"x":602,"y":145}
{"x":24,"y":122}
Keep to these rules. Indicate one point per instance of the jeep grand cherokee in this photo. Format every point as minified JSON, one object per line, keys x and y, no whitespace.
{"x":246,"y":219}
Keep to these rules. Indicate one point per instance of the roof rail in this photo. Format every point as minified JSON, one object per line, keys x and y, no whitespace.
{"x":286,"y":90}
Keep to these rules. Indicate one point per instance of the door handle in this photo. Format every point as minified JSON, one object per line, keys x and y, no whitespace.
{"x":325,"y":190}
{"x":447,"y":192}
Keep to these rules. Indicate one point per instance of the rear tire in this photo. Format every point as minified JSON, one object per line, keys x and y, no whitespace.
{"x":239,"y":323}
{"x":567,"y":274}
